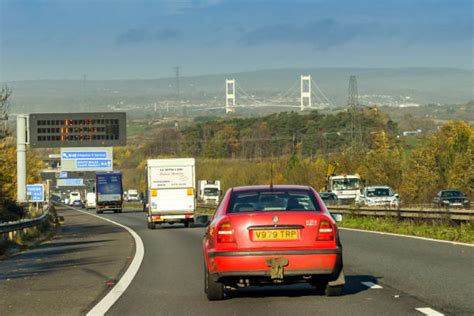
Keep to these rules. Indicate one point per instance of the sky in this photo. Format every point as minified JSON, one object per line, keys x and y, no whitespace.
{"x":128,"y":39}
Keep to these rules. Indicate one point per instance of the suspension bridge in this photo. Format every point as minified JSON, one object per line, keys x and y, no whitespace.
{"x":304,"y":94}
{"x":308,"y":93}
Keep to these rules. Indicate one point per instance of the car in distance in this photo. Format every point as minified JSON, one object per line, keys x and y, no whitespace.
{"x":379,"y":195}
{"x":272,"y":235}
{"x":330,"y":198}
{"x":451,"y":198}
{"x":77,"y":203}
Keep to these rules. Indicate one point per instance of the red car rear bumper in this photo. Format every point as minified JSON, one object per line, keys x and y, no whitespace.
{"x":253,"y":263}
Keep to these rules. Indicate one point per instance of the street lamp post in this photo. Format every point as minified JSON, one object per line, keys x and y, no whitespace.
{"x":326,"y":141}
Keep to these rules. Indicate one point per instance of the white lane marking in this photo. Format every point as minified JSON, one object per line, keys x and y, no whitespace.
{"x":114,"y":294}
{"x":429,"y":311}
{"x":372,"y":285}
{"x":408,"y":236}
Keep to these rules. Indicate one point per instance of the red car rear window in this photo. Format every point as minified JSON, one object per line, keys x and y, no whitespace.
{"x":267,"y":200}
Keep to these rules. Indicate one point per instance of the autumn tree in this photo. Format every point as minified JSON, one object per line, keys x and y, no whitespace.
{"x":5,"y":94}
{"x":383,"y":162}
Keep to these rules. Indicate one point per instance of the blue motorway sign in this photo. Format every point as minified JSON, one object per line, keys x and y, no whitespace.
{"x":84,"y":155}
{"x":35,"y":192}
{"x":73,"y":182}
{"x":93,"y":163}
{"x":87,"y":159}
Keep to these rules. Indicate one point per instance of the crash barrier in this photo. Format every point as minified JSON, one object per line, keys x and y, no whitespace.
{"x":9,"y":230}
{"x":428,"y":213}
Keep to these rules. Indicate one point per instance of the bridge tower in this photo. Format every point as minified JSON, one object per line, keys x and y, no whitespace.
{"x":305,"y":92}
{"x":229,"y":95}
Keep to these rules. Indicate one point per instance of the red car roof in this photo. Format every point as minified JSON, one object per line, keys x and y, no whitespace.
{"x":267,"y":186}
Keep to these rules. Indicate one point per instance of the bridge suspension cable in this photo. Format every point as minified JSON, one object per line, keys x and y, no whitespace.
{"x":322,"y":94}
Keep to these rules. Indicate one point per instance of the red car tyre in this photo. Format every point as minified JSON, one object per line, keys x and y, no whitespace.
{"x":213,"y":289}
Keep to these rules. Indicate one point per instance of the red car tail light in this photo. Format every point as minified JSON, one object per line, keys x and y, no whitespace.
{"x":225,"y":233}
{"x":325,"y":232}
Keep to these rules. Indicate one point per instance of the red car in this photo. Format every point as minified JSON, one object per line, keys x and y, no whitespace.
{"x":272,"y":235}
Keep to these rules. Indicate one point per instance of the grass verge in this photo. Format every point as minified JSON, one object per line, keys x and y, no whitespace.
{"x":437,"y":229}
{"x":29,"y":237}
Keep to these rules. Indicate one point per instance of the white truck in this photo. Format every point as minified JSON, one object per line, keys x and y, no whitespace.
{"x":346,"y":187}
{"x":170,"y":191}
{"x":132,"y":196}
{"x":209,"y":191}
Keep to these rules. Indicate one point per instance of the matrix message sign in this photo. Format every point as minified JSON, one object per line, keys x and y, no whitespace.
{"x":98,"y":129}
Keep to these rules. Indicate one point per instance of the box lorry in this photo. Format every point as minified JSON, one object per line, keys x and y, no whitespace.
{"x":171,"y":191}
{"x":209,"y":191}
{"x":109,"y":192}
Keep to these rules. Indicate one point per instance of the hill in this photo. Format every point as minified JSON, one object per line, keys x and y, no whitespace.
{"x":417,"y":85}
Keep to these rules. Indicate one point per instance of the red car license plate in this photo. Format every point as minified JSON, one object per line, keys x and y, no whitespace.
{"x":275,"y":234}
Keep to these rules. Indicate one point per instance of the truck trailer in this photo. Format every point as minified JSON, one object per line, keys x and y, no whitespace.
{"x":171,"y":191}
{"x":109,"y":192}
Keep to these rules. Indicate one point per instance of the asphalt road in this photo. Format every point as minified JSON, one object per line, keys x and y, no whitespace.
{"x":72,"y":270}
{"x":413,"y":274}
{"x":68,"y":274}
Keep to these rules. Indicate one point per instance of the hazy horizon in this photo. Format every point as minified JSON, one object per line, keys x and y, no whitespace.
{"x":224,"y":73}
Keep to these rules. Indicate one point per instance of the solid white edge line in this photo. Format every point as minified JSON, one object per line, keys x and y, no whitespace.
{"x":372,"y":285}
{"x":114,"y":294}
{"x":408,"y":236}
{"x":429,"y":311}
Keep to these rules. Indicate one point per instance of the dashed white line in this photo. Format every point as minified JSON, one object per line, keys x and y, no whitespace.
{"x":106,"y":303}
{"x":372,"y":285}
{"x":429,"y":311}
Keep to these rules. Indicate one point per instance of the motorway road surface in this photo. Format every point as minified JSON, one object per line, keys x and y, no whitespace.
{"x":410,"y":273}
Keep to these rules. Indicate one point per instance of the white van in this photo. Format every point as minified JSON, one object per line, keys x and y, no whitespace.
{"x":90,"y":200}
{"x":74,"y":196}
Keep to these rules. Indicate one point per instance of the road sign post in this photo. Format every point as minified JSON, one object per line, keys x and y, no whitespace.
{"x":35,"y":192}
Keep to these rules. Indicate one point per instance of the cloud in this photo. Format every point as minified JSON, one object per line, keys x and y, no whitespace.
{"x":321,"y":34}
{"x":140,"y":35}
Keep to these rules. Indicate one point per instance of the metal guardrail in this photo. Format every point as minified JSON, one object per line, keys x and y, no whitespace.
{"x":406,"y":212}
{"x":429,"y":213}
{"x":24,"y":223}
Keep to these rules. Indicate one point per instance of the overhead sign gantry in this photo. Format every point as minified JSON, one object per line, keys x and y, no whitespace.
{"x":51,"y":130}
